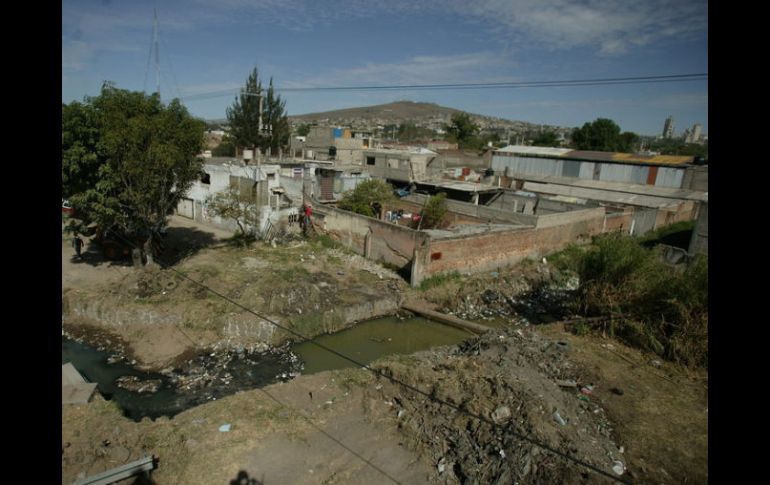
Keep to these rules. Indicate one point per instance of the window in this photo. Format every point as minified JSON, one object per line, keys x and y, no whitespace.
{"x":370,"y":160}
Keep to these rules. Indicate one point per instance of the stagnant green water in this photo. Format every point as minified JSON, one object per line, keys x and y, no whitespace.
{"x":371,"y":340}
{"x":363,"y":343}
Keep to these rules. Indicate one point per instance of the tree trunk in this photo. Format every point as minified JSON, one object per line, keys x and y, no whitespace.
{"x":148,"y":251}
{"x":136,"y":256}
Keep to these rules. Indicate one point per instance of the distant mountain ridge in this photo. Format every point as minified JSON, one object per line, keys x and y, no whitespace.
{"x":420,"y":113}
{"x":396,"y":111}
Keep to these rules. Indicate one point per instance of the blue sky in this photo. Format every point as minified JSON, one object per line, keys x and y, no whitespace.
{"x":211,"y":45}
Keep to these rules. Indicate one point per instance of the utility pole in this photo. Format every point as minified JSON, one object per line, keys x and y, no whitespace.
{"x":157,"y":56}
{"x":258,"y":153}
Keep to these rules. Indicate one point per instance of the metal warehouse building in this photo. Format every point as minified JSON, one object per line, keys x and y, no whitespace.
{"x":657,"y":170}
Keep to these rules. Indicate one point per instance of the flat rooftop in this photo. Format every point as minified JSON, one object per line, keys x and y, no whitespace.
{"x":462,"y":186}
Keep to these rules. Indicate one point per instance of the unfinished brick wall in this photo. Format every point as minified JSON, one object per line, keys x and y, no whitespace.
{"x":618,"y":221}
{"x":486,"y":252}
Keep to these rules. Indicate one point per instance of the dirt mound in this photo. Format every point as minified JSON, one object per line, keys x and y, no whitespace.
{"x":523,"y":383}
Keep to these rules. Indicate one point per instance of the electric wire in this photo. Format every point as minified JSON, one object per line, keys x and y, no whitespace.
{"x":471,"y":86}
{"x":390,"y":378}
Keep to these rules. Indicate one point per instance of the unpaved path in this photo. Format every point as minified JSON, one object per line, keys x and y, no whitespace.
{"x":93,"y":270}
{"x":279,"y":435}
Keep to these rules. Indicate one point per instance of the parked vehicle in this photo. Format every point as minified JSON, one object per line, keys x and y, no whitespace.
{"x":66,"y":208}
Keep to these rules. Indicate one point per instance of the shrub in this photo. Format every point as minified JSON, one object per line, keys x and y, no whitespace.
{"x":654,"y":306}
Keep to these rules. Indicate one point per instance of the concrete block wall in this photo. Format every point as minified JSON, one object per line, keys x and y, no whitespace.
{"x":450,"y":218}
{"x":571,"y":217}
{"x":375,"y":239}
{"x":480,"y":212}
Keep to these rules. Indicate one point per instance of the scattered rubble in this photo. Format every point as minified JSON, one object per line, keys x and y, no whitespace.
{"x":135,"y":384}
{"x":547,"y":296}
{"x":518,"y":383}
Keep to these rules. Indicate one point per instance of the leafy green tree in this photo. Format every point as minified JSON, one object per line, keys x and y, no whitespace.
{"x":127,"y":160}
{"x":629,"y":142}
{"x":434,"y":212}
{"x":303,"y":129}
{"x":276,"y":121}
{"x":604,"y":135}
{"x":235,"y":205}
{"x":362,"y":199}
{"x":244,"y":117}
{"x":462,"y":130}
{"x":226,"y":147}
{"x":546,"y":139}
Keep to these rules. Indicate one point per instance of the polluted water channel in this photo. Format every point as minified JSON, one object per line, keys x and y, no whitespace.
{"x":215,"y":374}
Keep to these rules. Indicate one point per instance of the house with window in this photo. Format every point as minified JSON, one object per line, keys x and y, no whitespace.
{"x":260,"y":182}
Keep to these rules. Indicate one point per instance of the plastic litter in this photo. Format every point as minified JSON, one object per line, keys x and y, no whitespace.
{"x":224,"y":428}
{"x":618,"y":467}
{"x":557,"y":417}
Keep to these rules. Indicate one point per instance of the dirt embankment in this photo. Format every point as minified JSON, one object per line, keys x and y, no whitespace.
{"x":306,"y":288}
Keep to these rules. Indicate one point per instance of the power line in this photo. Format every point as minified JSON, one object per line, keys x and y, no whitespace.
{"x":489,"y":85}
{"x":390,"y":378}
{"x":355,"y":453}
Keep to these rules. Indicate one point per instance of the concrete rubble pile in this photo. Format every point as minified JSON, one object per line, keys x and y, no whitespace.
{"x":524,"y":384}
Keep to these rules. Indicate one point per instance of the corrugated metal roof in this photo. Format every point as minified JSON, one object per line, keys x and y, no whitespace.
{"x":657,"y":159}
{"x":592,"y":155}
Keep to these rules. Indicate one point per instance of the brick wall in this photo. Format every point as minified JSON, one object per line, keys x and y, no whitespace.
{"x":486,"y":252}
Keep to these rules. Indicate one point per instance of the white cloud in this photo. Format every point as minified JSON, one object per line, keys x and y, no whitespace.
{"x":415,"y":70}
{"x":610,"y":26}
{"x":75,"y":55}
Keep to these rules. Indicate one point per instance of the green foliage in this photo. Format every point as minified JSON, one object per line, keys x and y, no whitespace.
{"x":276,"y":121}
{"x":244,"y":115}
{"x":411,"y":132}
{"x":234,"y":204}
{"x":303,"y":129}
{"x":569,"y":258}
{"x":677,"y":146}
{"x":439,"y":280}
{"x":361,"y":199}
{"x":604,"y":135}
{"x":226,"y":148}
{"x":546,"y":139}
{"x":462,"y":130}
{"x":434,"y":212}
{"x":326,"y":241}
{"x":654,"y":306}
{"x":127,"y":159}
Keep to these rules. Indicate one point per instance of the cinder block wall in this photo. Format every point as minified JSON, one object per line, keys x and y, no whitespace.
{"x":377,"y":240}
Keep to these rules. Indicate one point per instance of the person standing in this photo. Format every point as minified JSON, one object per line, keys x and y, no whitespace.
{"x":77,"y":243}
